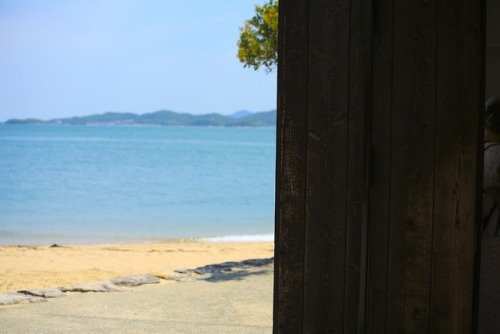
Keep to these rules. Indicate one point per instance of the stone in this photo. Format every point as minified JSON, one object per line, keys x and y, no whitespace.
{"x":258,"y":262}
{"x":135,"y":280}
{"x":187,"y":275}
{"x":19,"y":298}
{"x":44,"y":293}
{"x":98,"y":286}
{"x":225,"y":271}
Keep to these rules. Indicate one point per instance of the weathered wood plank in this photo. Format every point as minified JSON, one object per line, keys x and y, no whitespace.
{"x":492,"y":87}
{"x":327,"y":156}
{"x":381,"y":133}
{"x":357,"y":177}
{"x":422,"y":198}
{"x":458,"y":64}
{"x":291,"y":166}
{"x":412,"y":164}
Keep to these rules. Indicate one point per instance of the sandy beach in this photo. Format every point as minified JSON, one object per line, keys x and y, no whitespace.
{"x":235,"y":304}
{"x":35,"y":267}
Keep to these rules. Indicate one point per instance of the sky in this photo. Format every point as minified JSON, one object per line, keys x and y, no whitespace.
{"x":63,"y":58}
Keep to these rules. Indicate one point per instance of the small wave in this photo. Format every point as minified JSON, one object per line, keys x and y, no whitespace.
{"x":241,"y":238}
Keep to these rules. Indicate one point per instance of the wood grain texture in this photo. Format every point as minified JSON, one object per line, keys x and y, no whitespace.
{"x":291,"y":164}
{"x":380,"y":229}
{"x":405,"y":83}
{"x":358,"y":174}
{"x":458,"y":34}
{"x":412,"y":168}
{"x":327,"y":154}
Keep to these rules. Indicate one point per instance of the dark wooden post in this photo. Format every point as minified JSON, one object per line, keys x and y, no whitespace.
{"x":322,"y":184}
{"x":493,"y":49}
{"x":379,"y":123}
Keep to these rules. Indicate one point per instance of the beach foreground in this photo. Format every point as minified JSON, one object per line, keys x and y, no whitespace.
{"x":228,"y":306}
{"x":233,"y":304}
{"x":35,"y":267}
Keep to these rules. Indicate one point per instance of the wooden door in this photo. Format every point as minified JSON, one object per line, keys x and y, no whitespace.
{"x":379,"y":148}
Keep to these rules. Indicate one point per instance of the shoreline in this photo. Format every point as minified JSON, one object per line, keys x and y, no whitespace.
{"x":39,"y":240}
{"x":36,"y":267}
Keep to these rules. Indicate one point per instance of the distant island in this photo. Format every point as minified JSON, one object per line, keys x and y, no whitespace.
{"x":162,"y":117}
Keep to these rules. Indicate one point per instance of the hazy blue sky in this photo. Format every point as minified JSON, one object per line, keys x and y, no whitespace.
{"x":61,"y":58}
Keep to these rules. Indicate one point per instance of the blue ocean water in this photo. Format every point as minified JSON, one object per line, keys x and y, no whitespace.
{"x":100,"y":184}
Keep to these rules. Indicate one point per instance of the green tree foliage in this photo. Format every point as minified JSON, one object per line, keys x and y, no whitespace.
{"x":258,"y":43}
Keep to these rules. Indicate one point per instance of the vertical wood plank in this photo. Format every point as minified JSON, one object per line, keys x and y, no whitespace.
{"x":492,"y":84}
{"x":432,"y":153}
{"x":412,"y":167}
{"x":291,"y":165}
{"x":358,"y":176}
{"x":327,"y":156}
{"x":380,"y":192}
{"x":402,"y":75}
{"x":422,"y":200}
{"x":458,"y":64}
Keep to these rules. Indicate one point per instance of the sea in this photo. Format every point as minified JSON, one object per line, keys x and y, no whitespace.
{"x":63,"y":184}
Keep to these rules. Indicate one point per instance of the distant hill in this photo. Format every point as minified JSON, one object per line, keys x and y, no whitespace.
{"x":162,"y":117}
{"x":240,"y":114}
